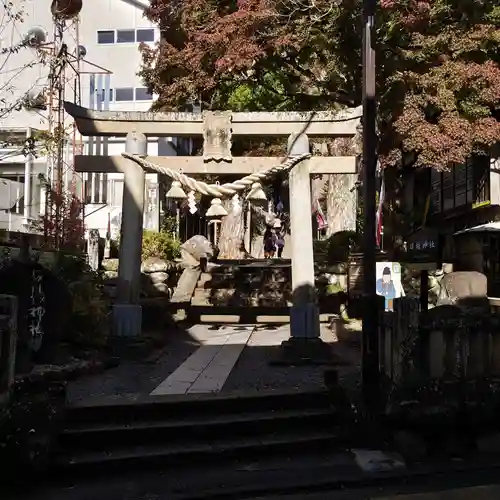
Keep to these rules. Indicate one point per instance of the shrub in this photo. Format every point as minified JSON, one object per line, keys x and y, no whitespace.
{"x":70,"y":267}
{"x":160,"y":244}
{"x":340,"y":244}
{"x":88,"y":323}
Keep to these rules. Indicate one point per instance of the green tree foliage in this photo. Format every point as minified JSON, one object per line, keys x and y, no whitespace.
{"x":438,"y":66}
{"x":160,"y":244}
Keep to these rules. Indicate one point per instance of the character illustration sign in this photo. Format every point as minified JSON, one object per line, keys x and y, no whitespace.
{"x":389,"y":283}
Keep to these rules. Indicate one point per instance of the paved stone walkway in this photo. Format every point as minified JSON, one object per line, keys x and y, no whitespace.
{"x":207,"y":369}
{"x":225,"y":358}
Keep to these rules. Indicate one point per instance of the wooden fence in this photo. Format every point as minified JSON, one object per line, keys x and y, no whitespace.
{"x":448,"y":341}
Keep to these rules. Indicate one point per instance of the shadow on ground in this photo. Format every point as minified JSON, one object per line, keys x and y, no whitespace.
{"x":253,"y":371}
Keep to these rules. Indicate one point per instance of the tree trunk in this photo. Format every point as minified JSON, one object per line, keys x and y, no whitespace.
{"x":232,"y":233}
{"x":341,"y":203}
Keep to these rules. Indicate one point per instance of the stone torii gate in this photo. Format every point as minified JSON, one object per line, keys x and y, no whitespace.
{"x":217,"y":129}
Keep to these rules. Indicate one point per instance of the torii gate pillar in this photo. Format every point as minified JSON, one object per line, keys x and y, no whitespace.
{"x":304,"y":344}
{"x":127,"y":312}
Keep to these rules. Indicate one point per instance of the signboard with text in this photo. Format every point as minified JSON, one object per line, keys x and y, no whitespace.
{"x":422,"y":247}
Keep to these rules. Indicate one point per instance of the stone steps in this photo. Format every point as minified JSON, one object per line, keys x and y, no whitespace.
{"x":251,"y":285}
{"x":249,"y":291}
{"x":248,"y":284}
{"x":176,"y":431}
{"x":236,"y":298}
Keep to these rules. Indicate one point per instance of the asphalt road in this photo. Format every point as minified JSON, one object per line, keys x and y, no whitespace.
{"x":485,"y":492}
{"x":464,"y":485}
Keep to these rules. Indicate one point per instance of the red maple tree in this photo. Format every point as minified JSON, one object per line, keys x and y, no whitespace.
{"x":62,"y":223}
{"x":438,"y":66}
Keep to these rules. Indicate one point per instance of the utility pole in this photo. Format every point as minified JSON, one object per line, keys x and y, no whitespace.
{"x":370,"y":352}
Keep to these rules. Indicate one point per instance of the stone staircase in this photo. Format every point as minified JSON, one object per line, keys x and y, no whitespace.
{"x":255,"y":284}
{"x":245,"y":291}
{"x":170,"y":433}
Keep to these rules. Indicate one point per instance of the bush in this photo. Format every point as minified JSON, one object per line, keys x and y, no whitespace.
{"x":70,"y":267}
{"x":160,"y":244}
{"x":88,"y":323}
{"x":341,"y":243}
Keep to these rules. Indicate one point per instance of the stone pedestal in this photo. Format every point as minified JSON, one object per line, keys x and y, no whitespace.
{"x":127,"y":320}
{"x":302,"y":351}
{"x":304,"y":321}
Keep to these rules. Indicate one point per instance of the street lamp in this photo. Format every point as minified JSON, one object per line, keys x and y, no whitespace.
{"x":177,"y":193}
{"x":215,"y":212}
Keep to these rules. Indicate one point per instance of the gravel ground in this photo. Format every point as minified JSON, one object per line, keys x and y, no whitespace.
{"x":134,"y":377}
{"x":255,"y":371}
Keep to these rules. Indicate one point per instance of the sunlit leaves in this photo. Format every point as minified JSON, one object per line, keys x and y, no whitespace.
{"x":437,"y":65}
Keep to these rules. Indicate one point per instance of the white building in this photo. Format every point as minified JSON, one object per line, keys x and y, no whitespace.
{"x":108,"y":33}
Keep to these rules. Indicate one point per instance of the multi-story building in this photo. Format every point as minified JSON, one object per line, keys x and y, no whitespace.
{"x":107,"y":35}
{"x":463,"y":204}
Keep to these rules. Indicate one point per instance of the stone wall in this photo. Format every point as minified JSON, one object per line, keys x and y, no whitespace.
{"x":453,"y":341}
{"x":158,"y":277}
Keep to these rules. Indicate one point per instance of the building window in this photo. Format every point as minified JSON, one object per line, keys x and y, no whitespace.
{"x":102,"y":93}
{"x":460,"y":185}
{"x":125,"y":36}
{"x":96,"y":188}
{"x":142,"y":94}
{"x":146,"y":35}
{"x":116,"y":195}
{"x":105,"y":37}
{"x":448,"y":191}
{"x":141,"y":35}
{"x":463,"y":185}
{"x":124,"y":94}
{"x":481,"y":179}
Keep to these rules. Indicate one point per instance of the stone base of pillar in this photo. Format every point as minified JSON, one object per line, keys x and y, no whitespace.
{"x":127,"y":320}
{"x":304,"y":321}
{"x":304,"y":351}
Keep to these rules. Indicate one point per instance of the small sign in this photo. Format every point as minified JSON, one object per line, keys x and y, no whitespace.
{"x":422,"y":247}
{"x":389,"y":284}
{"x":355,"y":275}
